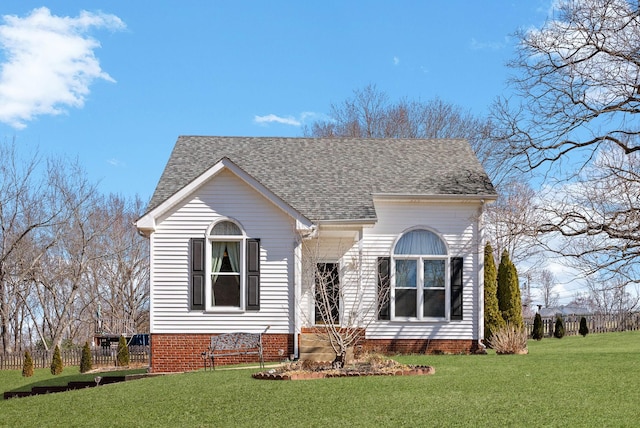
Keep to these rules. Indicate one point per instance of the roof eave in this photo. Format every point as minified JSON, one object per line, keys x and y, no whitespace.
{"x":147,"y":223}
{"x":452,"y":197}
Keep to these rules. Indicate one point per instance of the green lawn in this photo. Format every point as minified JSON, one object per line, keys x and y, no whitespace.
{"x":574,"y":381}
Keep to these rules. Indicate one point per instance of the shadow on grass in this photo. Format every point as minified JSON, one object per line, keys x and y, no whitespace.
{"x":62,"y":380}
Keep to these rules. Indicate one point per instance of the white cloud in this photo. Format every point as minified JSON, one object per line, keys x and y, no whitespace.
{"x":272,"y":118}
{"x":396,"y":60}
{"x":49,"y":63}
{"x":304,"y":117}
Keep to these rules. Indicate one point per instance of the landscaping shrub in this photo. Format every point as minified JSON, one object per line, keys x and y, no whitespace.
{"x":509,"y":300}
{"x":56,"y":362}
{"x":584,"y":330}
{"x":558,"y":328}
{"x":85,"y":361}
{"x":123,"y":352}
{"x":27,"y":365}
{"x":492,"y":316}
{"x":509,"y":339}
{"x":538,"y":329}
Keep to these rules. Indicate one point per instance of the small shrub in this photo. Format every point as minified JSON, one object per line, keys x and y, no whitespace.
{"x":538,"y":329}
{"x":123,"y":352}
{"x":584,"y":330}
{"x":509,"y":340}
{"x":85,"y":361}
{"x":558,"y":328}
{"x":27,"y":365}
{"x":56,"y":362}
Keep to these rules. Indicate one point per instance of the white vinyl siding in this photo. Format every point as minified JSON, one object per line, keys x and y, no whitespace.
{"x":224,"y":196}
{"x":456,"y":224}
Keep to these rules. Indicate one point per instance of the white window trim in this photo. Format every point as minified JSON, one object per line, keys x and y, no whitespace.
{"x":242,"y":239}
{"x":420,"y":281}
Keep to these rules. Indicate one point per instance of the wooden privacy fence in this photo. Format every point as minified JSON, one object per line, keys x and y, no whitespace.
{"x":598,"y":323}
{"x":100,"y":357}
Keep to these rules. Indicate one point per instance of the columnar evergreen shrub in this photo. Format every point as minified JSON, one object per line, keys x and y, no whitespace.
{"x":509,"y":300}
{"x":584,"y":330}
{"x":56,"y":362}
{"x":558,"y":328}
{"x":538,"y":329}
{"x":123,"y":352}
{"x":492,"y":317}
{"x":85,"y":361}
{"x":27,"y":365}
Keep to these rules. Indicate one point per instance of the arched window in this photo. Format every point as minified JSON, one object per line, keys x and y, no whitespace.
{"x":227,"y":243}
{"x":420,"y":264}
{"x":224,"y":269}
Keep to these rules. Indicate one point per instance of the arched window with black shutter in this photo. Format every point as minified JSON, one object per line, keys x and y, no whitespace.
{"x":426,"y":282}
{"x":225,"y":269}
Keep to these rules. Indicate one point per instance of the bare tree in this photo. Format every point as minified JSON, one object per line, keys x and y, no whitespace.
{"x":610,"y":297}
{"x":546,"y":287}
{"x":23,"y":217}
{"x":596,"y":220}
{"x":343,"y":308}
{"x":370,"y":114}
{"x":512,"y":223}
{"x":573,"y":117}
{"x":118,"y":277}
{"x":578,"y":82}
{"x":60,"y":274}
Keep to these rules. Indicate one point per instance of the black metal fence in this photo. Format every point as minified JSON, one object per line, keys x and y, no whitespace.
{"x":597,"y":323}
{"x":100,"y":357}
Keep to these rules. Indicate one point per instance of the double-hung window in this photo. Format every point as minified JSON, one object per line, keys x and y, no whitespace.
{"x":420,"y":278}
{"x":225,"y":269}
{"x":227,"y":243}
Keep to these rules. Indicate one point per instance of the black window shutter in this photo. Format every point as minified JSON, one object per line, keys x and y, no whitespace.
{"x":253,"y":274}
{"x":196,"y":272}
{"x":384,"y":289}
{"x":456,"y":288}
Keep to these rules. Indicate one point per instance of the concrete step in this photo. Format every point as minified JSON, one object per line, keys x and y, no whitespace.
{"x":314,"y":347}
{"x":317,"y":356}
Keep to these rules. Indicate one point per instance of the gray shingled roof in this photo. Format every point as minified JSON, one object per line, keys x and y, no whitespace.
{"x":332,"y":178}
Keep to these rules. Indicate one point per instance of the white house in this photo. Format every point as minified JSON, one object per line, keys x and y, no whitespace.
{"x":232,"y":222}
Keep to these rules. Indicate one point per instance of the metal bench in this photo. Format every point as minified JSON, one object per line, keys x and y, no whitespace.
{"x":231,"y":344}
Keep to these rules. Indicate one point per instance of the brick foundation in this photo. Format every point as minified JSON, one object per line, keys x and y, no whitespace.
{"x":420,"y":346}
{"x":182,"y":352}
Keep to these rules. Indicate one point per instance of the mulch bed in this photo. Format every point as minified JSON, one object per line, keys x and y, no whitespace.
{"x":350,"y":372}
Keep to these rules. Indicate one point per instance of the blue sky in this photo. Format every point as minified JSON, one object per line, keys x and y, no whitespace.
{"x":114,"y":83}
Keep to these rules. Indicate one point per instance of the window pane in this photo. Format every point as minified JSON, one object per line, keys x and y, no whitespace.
{"x":434,"y":303}
{"x":232,"y":254}
{"x":225,"y":273}
{"x":421,"y":242}
{"x":226,"y":290}
{"x":434,"y":273}
{"x":406,"y":302}
{"x":406,"y":273}
{"x":226,"y":228}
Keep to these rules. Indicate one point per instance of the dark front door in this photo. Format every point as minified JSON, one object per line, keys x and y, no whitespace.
{"x":327,"y":294}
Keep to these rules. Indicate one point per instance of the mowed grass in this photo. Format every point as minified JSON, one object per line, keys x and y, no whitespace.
{"x":574,"y":381}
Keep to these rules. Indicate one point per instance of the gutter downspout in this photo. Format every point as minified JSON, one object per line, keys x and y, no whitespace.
{"x":480,"y":253}
{"x":312,"y":233}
